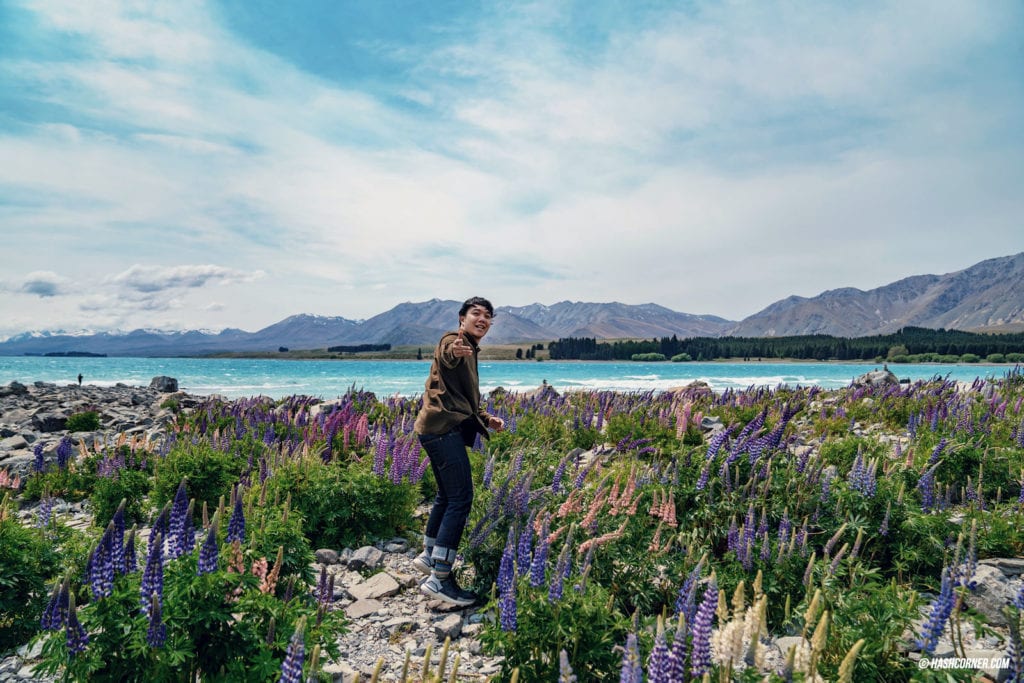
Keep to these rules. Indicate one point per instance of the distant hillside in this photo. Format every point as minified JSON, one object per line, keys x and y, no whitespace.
{"x":987,"y":296}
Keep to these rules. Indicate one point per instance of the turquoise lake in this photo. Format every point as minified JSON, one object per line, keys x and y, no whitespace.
{"x":234,"y":378}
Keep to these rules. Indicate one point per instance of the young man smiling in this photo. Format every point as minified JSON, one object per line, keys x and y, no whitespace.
{"x":447,"y":425}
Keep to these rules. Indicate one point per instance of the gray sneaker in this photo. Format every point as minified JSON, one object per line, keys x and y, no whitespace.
{"x":423,"y":563}
{"x":446,"y":589}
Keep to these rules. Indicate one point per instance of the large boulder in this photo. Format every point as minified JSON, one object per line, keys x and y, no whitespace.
{"x":164,"y":384}
{"x":876,"y":378}
{"x":14,"y":389}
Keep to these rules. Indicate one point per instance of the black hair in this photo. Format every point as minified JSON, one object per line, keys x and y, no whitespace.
{"x":476,"y":301}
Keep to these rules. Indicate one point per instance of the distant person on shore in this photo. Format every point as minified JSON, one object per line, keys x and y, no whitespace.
{"x":447,"y":425}
{"x":79,"y":379}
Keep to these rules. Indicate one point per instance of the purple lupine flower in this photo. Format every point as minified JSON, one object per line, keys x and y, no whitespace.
{"x":38,"y":464}
{"x":208,"y":552}
{"x":562,"y":568}
{"x":705,"y":474}
{"x":939,"y":447}
{"x":657,"y":663}
{"x":187,"y":539}
{"x":176,"y":525}
{"x":236,"y":525}
{"x":677,"y":656}
{"x":46,"y":511}
{"x":766,"y":547}
{"x":506,"y":570}
{"x":883,"y":529}
{"x":156,"y":633}
{"x":117,"y":539}
{"x":1018,"y":601}
{"x":565,"y":674}
{"x":131,"y":562}
{"x":700,"y":658}
{"x":733,"y":537}
{"x":63,"y":452}
{"x":941,"y":608}
{"x":556,"y":480}
{"x":153,"y":573}
{"x":523,"y":552}
{"x":55,"y":614}
{"x":77,"y":638}
{"x":508,"y":609}
{"x":291,"y":667}
{"x":101,"y":574}
{"x":632,"y":671}
{"x":488,"y":473}
{"x":540,"y":557}
{"x":686,"y":600}
{"x":926,"y":485}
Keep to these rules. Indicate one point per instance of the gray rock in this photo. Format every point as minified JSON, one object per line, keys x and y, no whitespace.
{"x":50,"y":422}
{"x":1010,"y":566}
{"x":366,"y":557}
{"x":13,"y":443}
{"x":363,"y":608}
{"x":15,"y":388}
{"x":396,"y":545}
{"x":164,"y":384}
{"x":327,"y":556}
{"x":992,"y":593}
{"x":449,"y":627}
{"x":377,"y":586}
{"x":876,"y":378}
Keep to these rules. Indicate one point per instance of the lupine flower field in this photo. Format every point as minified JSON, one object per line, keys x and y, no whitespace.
{"x":654,"y":537}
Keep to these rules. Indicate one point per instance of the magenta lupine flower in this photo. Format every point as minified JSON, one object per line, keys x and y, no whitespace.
{"x":657,"y":663}
{"x":76,"y":637}
{"x":156,"y":633}
{"x":291,"y":667}
{"x":632,"y":671}
{"x":208,"y":553}
{"x":153,"y":573}
{"x":700,"y":658}
{"x":236,"y":525}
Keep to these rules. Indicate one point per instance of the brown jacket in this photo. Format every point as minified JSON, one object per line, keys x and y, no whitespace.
{"x":452,"y":396}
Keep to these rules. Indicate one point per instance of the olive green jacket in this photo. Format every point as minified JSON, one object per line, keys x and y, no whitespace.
{"x":452,"y":396}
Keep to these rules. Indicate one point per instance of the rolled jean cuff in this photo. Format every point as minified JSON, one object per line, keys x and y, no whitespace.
{"x":446,"y":555}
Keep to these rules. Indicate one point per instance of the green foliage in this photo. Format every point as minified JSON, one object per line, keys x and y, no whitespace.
{"x":647,"y":357}
{"x":343,"y":505}
{"x":72,"y":484}
{"x":220,"y":627}
{"x":130,"y":486}
{"x":682,"y":358}
{"x":208,"y":474}
{"x":583,"y":623}
{"x":88,"y":421}
{"x":28,"y":561}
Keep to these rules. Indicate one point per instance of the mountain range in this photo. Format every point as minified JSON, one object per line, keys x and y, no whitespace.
{"x":988,"y":296}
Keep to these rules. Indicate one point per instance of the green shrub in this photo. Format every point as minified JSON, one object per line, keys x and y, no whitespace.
{"x":995,"y":358}
{"x":970,"y":358}
{"x":647,"y":357}
{"x":130,"y":486}
{"x":682,"y":358}
{"x":208,"y":474}
{"x":27,"y":562}
{"x":1015,"y":358}
{"x":343,"y":506}
{"x":88,"y":421}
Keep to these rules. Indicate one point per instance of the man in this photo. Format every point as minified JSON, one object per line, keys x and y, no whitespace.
{"x":447,"y":425}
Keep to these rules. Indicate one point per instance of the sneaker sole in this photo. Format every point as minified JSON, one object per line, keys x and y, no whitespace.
{"x":426,"y":590}
{"x":421,"y":566}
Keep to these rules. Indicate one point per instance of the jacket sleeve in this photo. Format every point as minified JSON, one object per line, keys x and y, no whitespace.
{"x":445,"y":352}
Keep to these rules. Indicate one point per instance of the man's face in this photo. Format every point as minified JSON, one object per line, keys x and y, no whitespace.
{"x":476,"y":322}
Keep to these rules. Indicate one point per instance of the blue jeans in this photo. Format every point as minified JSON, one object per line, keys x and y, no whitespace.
{"x":454,"y":476}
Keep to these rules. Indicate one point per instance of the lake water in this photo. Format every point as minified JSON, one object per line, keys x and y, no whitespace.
{"x":236,"y":378}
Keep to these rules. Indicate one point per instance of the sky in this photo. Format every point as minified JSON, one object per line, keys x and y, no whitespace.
{"x":229,"y":163}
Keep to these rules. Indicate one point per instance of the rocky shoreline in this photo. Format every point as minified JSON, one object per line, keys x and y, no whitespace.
{"x":388,"y":618}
